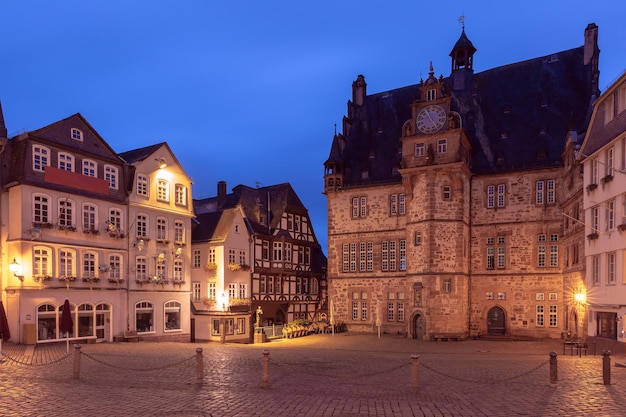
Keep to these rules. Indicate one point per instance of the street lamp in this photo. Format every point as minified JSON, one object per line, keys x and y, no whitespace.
{"x":16,"y":269}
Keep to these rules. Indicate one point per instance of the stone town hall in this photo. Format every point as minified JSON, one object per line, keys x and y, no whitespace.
{"x":446,"y":199}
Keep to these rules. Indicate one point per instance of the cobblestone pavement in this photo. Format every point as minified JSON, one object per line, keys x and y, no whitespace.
{"x":345,"y":374}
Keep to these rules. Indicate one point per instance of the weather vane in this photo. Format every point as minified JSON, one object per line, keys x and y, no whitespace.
{"x":462,"y":20}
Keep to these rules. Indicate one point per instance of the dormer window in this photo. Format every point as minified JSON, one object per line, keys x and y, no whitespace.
{"x":431,"y":95}
{"x":365,"y":174}
{"x":504,"y":134}
{"x":77,"y":134}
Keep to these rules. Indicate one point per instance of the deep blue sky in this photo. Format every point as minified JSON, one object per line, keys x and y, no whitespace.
{"x":249,"y":91}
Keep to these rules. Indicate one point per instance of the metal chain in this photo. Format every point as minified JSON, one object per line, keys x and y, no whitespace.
{"x":130,"y":368}
{"x":19,"y":362}
{"x":351,"y":376}
{"x":489,"y":381}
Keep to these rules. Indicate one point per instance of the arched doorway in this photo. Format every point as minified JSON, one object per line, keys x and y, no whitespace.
{"x":419,"y":325}
{"x":496,"y":321}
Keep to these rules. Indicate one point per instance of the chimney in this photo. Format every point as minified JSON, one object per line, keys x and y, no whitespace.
{"x":221,"y":193}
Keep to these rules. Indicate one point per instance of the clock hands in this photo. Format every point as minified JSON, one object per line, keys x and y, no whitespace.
{"x":430,"y":117}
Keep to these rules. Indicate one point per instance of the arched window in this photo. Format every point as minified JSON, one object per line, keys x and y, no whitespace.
{"x":90,"y":259}
{"x":172,"y":316}
{"x":42,"y":266}
{"x":66,"y":161}
{"x":86,"y":320}
{"x":46,"y":322}
{"x":67,"y":263}
{"x":144,"y":317}
{"x":90,"y":168}
{"x":41,"y":157}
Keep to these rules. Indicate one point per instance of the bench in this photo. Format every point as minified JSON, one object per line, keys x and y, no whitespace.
{"x":131,"y":336}
{"x":448,"y":336}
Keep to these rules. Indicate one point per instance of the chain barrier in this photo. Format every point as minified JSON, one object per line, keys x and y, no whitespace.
{"x":489,"y":381}
{"x":21,"y":362}
{"x":316,"y":371}
{"x":130,"y":368}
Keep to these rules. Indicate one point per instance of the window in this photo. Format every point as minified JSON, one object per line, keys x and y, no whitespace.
{"x":115,"y":221}
{"x":609,"y":109}
{"x":277,"y":251}
{"x":501,"y":296}
{"x":610,"y":258}
{"x":212,"y":292}
{"x":355,"y":310}
{"x":215,"y":329}
{"x":178,"y":270}
{"x":89,"y":265}
{"x":391,"y":311}
{"x":400,"y":311}
{"x":418,"y":238}
{"x":196,"y":259}
{"x":66,"y":161}
{"x":363,"y":310}
{"x":490,"y":257}
{"x":232,"y":290}
{"x":447,"y":285}
{"x":609,"y":162}
{"x":115,"y":266}
{"x":447,"y":193}
{"x":212,"y":256}
{"x":402,"y":245}
{"x":539,"y":316}
{"x":345,"y":257}
{"x":142,"y":226}
{"x":89,"y":168}
{"x":287,"y":253}
{"x":76,"y":134}
{"x":265,"y":250}
{"x":541,"y":251}
{"x":141,"y":268}
{"x":179,"y":232}
{"x":501,"y":195}
{"x":501,"y":252}
{"x":196,"y":291}
{"x":161,"y":229}
{"x":595,"y":269}
{"x":142,"y":185}
{"x":89,"y":217}
{"x":610,"y":215}
{"x":540,"y":296}
{"x":243,"y":290}
{"x":111,"y":176}
{"x":370,"y":256}
{"x":491,"y":196}
{"x":40,"y":209}
{"x":621,"y":99}
{"x":552,"y":319}
{"x":359,"y":207}
{"x":163,"y":190}
{"x":384,"y":256}
{"x":362,"y":257}
{"x":442,"y":146}
{"x":161,"y":269}
{"x":66,"y":213}
{"x":594,"y":171}
{"x":232,"y":258}
{"x":419,"y":150}
{"x":41,"y":158}
{"x":180,"y":195}
{"x":172,"y":310}
{"x":595,"y":219}
{"x":431,"y":95}
{"x":67,"y":263}
{"x":554,"y":250}
{"x":144,"y":312}
{"x":550,"y":191}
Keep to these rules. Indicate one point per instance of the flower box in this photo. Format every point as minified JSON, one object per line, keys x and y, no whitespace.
{"x":91,"y":279}
{"x":67,"y":278}
{"x":592,"y":236}
{"x":606,"y":179}
{"x":211,"y":266}
{"x":621,"y":227}
{"x":591,"y":187}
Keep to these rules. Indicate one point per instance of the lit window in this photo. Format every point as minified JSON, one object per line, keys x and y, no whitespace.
{"x":172,"y":315}
{"x":144,"y":317}
{"x":89,"y":168}
{"x":142,"y":185}
{"x":66,"y":213}
{"x":142,"y":226}
{"x":76,"y":134}
{"x":110,"y":175}
{"x":181,"y":195}
{"x":89,"y":265}
{"x":163,"y":190}
{"x":179,"y":232}
{"x":40,"y":209}
{"x":89,"y":217}
{"x":41,"y":157}
{"x":66,"y":162}
{"x":161,"y":229}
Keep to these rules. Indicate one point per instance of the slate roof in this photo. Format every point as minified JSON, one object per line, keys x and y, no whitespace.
{"x":547,"y":96}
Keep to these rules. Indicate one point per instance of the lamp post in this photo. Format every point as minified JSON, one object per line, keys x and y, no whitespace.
{"x":581,"y":299}
{"x":16,"y":269}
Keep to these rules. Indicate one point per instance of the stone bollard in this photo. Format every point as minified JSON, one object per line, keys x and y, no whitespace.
{"x":553,"y":368}
{"x":606,"y":367}
{"x":415,"y":364}
{"x":199,"y":367}
{"x":76,"y":361}
{"x":265,"y":369}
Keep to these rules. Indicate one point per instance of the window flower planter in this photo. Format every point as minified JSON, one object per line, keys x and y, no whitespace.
{"x":591,"y":187}
{"x":211,"y":267}
{"x":42,"y":278}
{"x":621,"y":227}
{"x":592,"y":236}
{"x":606,"y":179}
{"x":67,"y":279}
{"x":91,"y":279}
{"x":116,"y":280}
{"x":234,"y":267}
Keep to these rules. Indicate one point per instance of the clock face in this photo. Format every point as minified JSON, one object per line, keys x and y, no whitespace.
{"x":430,"y":119}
